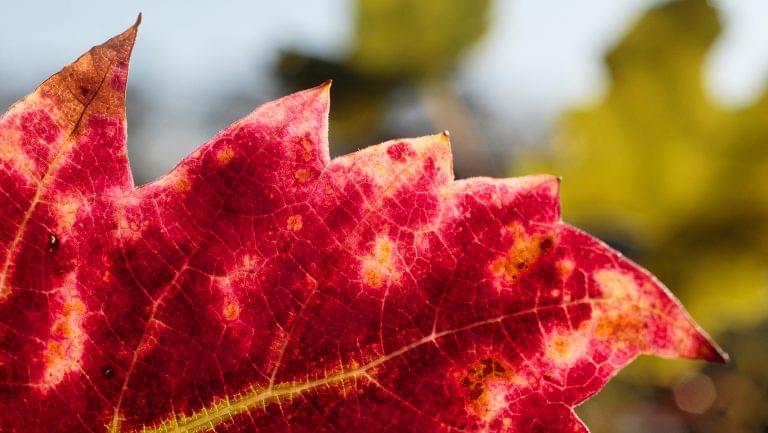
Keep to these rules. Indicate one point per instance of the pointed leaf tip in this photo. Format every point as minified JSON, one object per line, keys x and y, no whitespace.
{"x":710,"y":351}
{"x":123,"y":43}
{"x":84,"y":107}
{"x":94,"y":83}
{"x":444,"y":137}
{"x":323,"y":90}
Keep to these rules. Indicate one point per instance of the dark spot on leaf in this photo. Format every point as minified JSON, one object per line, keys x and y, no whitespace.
{"x":108,"y":372}
{"x":546,"y":244}
{"x":487,"y":367}
{"x":400,"y":151}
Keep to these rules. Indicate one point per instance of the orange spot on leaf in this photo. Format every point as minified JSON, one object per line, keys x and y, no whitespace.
{"x":295,"y":223}
{"x":224,"y":156}
{"x":302,"y":175}
{"x":231,"y":310}
{"x":521,"y":255}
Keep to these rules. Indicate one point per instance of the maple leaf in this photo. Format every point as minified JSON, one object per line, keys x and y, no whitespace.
{"x":261,"y":286}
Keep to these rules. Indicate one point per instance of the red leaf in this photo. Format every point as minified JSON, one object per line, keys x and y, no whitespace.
{"x":261,"y":286}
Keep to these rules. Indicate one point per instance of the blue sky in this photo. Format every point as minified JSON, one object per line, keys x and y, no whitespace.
{"x":541,"y":56}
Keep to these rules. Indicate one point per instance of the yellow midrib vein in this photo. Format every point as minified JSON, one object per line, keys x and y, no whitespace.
{"x":208,"y":417}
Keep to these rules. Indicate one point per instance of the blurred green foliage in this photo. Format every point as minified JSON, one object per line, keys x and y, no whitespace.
{"x":678,"y":182}
{"x":406,"y":39}
{"x":672,"y":177}
{"x":398,"y":46}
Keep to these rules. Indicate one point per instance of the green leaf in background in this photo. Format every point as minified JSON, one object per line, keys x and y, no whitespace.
{"x":672,"y":176}
{"x":680,"y":183}
{"x":400,"y":38}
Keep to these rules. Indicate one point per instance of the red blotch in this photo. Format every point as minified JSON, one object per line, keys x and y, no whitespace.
{"x":400,"y":151}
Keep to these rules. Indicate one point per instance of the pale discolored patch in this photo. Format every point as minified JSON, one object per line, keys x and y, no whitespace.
{"x":306,"y":130}
{"x":378,"y":267}
{"x":633,"y":317}
{"x":248,"y":264}
{"x":12,"y":134}
{"x":229,"y":284}
{"x":294,"y":223}
{"x":496,"y":399}
{"x":302,"y":175}
{"x":64,"y":348}
{"x":310,"y":283}
{"x":564,"y":348}
{"x":565,"y":268}
{"x":67,"y":209}
{"x":129,"y":225}
{"x":12,"y":154}
{"x":615,"y":284}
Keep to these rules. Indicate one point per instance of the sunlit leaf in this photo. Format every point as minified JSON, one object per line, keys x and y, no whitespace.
{"x":262,"y":286}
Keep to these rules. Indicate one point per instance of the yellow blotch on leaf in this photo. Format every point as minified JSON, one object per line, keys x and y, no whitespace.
{"x":615,"y":284}
{"x":524,"y":251}
{"x":223,"y":156}
{"x":379,"y":266}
